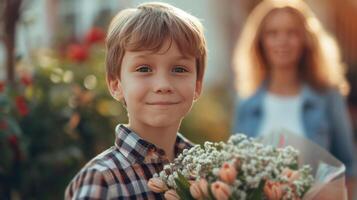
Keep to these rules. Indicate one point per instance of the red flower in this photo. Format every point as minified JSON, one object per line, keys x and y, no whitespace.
{"x":77,"y":52}
{"x":14,"y":144}
{"x":21,"y":105}
{"x":26,"y":79}
{"x":94,"y":35}
{"x":3,"y":125}
{"x":13,"y":140}
{"x":2,"y":86}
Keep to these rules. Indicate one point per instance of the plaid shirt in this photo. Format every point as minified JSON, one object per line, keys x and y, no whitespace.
{"x":122,"y":171}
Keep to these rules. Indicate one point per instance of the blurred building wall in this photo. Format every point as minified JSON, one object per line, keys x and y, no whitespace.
{"x":43,"y":22}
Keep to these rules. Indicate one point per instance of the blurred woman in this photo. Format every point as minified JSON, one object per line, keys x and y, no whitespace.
{"x":289,"y":76}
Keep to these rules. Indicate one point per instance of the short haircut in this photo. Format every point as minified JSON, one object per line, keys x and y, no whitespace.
{"x":146,"y":28}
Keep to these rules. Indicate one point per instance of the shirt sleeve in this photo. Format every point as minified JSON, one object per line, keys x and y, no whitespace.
{"x":237,"y":113}
{"x":342,"y":138}
{"x":88,"y":184}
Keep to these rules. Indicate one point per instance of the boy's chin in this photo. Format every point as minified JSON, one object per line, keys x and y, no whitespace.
{"x":162,"y":122}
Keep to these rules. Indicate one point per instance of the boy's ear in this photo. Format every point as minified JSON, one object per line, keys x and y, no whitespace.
{"x":115,"y":88}
{"x":198,"y":90}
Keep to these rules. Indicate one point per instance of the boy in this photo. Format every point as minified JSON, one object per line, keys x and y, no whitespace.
{"x":155,"y":65}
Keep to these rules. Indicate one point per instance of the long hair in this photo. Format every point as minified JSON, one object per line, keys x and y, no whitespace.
{"x":320,"y":64}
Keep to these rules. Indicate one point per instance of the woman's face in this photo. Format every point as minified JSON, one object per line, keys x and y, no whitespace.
{"x":282,"y":39}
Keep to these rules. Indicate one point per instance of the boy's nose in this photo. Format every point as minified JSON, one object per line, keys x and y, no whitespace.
{"x":164,"y":90}
{"x":163,"y":85}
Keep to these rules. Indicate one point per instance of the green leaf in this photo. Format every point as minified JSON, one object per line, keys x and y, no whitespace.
{"x":210,"y":194}
{"x":7,"y":156}
{"x":256,"y":193}
{"x":306,"y":188}
{"x":294,"y":166}
{"x":183,"y":187}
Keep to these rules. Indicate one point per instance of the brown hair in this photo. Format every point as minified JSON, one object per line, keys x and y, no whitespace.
{"x":321,"y":65}
{"x":146,"y":27}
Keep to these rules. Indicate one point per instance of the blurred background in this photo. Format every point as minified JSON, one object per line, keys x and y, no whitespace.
{"x":55,"y":110}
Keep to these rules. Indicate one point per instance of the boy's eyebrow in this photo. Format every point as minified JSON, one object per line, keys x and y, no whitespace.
{"x":182,"y":57}
{"x":176,"y":57}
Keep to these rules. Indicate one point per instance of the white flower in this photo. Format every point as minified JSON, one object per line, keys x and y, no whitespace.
{"x":256,"y":163}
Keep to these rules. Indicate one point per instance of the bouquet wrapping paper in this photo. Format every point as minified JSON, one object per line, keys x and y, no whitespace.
{"x":329,"y":172}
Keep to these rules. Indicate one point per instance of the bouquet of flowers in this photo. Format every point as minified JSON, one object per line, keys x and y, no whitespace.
{"x":244,"y":168}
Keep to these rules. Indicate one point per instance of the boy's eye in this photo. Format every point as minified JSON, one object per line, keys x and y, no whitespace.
{"x":179,"y":69}
{"x":143,"y":68}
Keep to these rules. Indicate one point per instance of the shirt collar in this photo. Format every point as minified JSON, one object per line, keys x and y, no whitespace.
{"x":310,"y":96}
{"x":137,"y":150}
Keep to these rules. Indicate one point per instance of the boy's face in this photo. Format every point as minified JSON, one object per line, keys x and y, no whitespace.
{"x":158,"y":87}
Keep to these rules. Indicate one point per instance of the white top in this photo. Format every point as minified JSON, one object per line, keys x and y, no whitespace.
{"x":282,"y":113}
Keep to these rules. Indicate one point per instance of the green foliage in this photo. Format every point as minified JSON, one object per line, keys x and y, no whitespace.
{"x":294,"y":166}
{"x":67,"y":117}
{"x":257,"y":193}
{"x":183,"y":187}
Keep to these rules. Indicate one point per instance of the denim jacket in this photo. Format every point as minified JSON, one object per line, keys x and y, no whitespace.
{"x":324,"y":116}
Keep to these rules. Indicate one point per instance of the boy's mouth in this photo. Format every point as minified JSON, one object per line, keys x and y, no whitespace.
{"x":164,"y":103}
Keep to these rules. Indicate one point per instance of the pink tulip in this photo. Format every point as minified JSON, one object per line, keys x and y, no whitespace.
{"x":199,"y":189}
{"x":228,"y":173}
{"x":171,"y":195}
{"x":195,"y":190}
{"x":203,"y":186}
{"x":273,"y":190}
{"x":292,"y":175}
{"x":157,"y":185}
{"x":220,"y":190}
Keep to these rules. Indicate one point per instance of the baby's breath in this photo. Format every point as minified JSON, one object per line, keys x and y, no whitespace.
{"x":255,"y":162}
